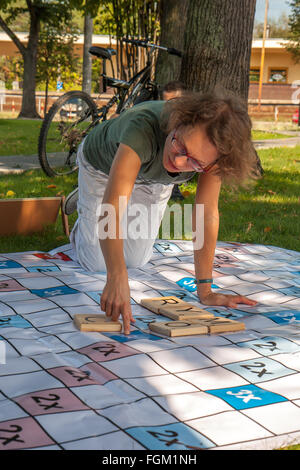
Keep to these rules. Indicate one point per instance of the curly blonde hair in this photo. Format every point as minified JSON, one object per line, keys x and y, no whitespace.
{"x":228,"y":127}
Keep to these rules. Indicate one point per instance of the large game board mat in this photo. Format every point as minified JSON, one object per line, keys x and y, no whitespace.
{"x":66,"y":389}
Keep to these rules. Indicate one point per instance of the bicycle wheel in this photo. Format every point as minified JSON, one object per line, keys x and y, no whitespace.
{"x":69,"y":119}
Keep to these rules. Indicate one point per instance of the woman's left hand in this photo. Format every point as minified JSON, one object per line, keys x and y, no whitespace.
{"x":225,"y":300}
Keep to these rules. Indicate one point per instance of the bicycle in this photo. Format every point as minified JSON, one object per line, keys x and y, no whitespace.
{"x":75,"y":113}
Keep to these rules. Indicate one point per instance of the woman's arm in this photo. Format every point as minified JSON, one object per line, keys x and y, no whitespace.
{"x":208,"y":191}
{"x":115,"y":299}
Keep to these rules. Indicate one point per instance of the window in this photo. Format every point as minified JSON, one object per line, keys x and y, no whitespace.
{"x":278,"y":75}
{"x":254,"y":75}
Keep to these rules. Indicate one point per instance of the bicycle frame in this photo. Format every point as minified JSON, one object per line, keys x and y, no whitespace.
{"x":123,"y":86}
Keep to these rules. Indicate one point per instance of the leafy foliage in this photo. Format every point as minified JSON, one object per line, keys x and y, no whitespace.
{"x":56,"y":58}
{"x":11,"y":68}
{"x":294,"y":22}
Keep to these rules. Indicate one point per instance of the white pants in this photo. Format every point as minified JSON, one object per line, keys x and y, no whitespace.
{"x":85,"y":234}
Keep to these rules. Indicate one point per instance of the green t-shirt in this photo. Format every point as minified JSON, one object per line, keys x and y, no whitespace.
{"x":139,"y":128}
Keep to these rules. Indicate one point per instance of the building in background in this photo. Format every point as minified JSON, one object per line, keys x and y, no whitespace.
{"x":281,"y":79}
{"x":281,"y":76}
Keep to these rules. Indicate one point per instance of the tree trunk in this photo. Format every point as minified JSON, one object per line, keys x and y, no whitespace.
{"x":217,"y":45}
{"x":28,"y":108}
{"x":172,"y":21}
{"x":29,"y":55}
{"x":87,"y":58}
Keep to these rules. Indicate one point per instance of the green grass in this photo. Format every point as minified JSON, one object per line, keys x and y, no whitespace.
{"x":262,"y":135}
{"x":20,"y":136}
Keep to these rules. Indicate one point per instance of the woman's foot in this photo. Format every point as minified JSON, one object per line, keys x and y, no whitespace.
{"x":70,"y":204}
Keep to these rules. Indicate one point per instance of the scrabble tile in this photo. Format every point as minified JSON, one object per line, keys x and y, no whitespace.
{"x":99,"y":322}
{"x":175,"y":308}
{"x":156,"y":303}
{"x":185,"y":312}
{"x":179,"y":328}
{"x":222,"y":325}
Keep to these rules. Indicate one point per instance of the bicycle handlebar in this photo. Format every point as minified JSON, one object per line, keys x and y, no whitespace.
{"x":145,"y":43}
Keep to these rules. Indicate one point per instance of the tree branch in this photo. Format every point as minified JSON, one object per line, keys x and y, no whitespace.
{"x":12,"y":36}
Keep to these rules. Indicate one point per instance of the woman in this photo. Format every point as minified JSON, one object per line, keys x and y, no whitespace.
{"x":137,"y":158}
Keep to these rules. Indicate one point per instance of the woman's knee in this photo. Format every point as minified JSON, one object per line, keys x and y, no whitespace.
{"x":138,"y":255}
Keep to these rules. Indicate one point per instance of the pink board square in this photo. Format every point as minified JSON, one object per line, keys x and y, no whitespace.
{"x":23,"y":433}
{"x":55,"y":400}
{"x":107,"y":351}
{"x":10,"y":285}
{"x":90,"y":374}
{"x":99,"y":373}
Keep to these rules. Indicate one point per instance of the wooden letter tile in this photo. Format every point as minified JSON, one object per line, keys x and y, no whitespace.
{"x":156,"y":303}
{"x":222,"y":325}
{"x":99,"y":322}
{"x":184,"y":312}
{"x":179,"y":328}
{"x":175,"y":308}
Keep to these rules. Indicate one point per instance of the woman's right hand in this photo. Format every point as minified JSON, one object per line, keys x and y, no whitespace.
{"x":115,"y":300}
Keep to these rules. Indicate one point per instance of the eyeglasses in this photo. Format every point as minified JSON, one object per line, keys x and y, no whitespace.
{"x":181,"y":151}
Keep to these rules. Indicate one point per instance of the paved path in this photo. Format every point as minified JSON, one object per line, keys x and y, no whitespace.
{"x":20,"y":163}
{"x":272,"y":143}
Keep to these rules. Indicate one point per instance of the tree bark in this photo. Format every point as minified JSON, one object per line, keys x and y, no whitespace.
{"x":217,"y":45}
{"x":28,"y":108}
{"x":87,"y":58}
{"x":172,"y":22}
{"x":29,"y":54}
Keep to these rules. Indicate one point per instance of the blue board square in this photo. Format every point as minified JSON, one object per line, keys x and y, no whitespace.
{"x":134,"y":335}
{"x":270,"y":345}
{"x":42,"y":269}
{"x":9,"y":264}
{"x":176,"y":436}
{"x":188,"y":283}
{"x":53,"y":291}
{"x":284,"y":317}
{"x":246,"y":396}
{"x":14,"y":321}
{"x":260,"y":369}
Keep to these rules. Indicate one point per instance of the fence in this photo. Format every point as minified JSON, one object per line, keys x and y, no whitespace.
{"x":273,"y":105}
{"x":11,"y":100}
